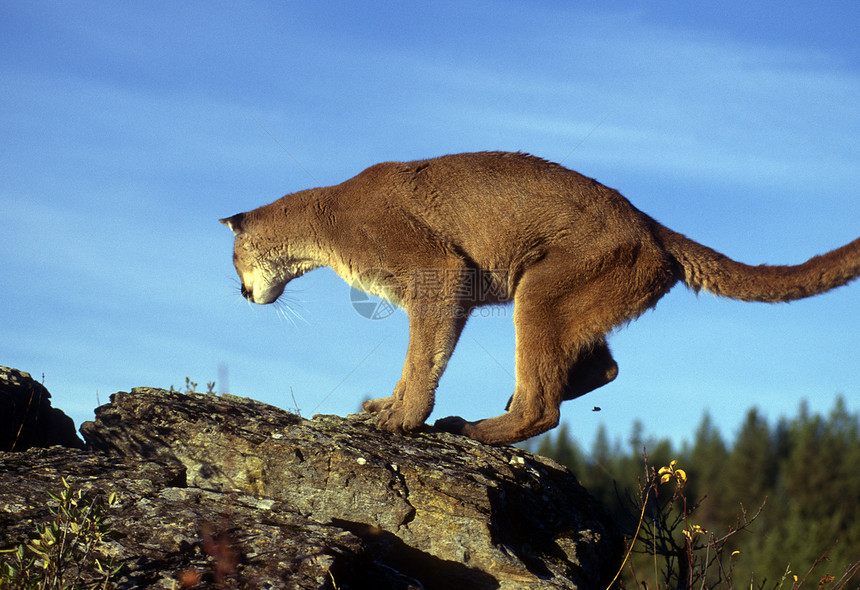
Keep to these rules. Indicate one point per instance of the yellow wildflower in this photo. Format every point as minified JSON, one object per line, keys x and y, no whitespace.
{"x":694,"y":530}
{"x":667,"y":473}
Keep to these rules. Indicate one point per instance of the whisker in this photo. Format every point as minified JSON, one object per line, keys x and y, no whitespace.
{"x":236,"y":287}
{"x":285,"y":306}
{"x":282,"y":315}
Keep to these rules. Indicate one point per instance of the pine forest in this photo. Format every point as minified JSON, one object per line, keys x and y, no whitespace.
{"x":777,"y":507}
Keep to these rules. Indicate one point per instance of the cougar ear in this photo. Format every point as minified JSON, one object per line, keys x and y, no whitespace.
{"x":234,"y":223}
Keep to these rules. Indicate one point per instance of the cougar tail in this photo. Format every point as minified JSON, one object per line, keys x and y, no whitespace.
{"x":704,"y":268}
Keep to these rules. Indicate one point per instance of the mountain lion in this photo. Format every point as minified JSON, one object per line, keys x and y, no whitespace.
{"x":441,"y":237}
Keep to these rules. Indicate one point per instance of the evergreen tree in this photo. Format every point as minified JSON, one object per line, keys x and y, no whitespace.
{"x":808,"y":467}
{"x":751,"y":469}
{"x":706,"y":465}
{"x":563,"y":448}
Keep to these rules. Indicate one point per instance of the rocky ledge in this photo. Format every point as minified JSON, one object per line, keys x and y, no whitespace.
{"x":27,"y":418}
{"x":220,"y":491}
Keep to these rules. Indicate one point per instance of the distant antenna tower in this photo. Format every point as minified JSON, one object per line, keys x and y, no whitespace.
{"x":223,"y":379}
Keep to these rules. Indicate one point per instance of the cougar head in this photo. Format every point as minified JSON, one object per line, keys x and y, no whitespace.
{"x":262,"y":269}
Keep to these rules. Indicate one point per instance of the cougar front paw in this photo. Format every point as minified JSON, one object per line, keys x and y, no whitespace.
{"x":399,"y":419}
{"x":374,"y":406}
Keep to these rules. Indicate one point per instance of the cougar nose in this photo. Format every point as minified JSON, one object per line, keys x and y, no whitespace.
{"x":246,"y":293}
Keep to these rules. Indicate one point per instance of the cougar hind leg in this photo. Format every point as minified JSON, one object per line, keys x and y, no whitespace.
{"x":562,"y":313}
{"x":594,"y":369}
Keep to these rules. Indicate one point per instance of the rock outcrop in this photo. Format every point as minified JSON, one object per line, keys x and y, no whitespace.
{"x":226,"y":490}
{"x":27,"y":418}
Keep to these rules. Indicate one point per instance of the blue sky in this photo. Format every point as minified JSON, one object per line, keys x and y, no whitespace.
{"x":128,"y":130}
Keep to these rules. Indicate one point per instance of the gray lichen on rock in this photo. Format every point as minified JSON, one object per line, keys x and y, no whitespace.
{"x":321,"y":503}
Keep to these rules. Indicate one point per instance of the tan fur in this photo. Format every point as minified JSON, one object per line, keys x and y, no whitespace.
{"x":457,"y":232}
